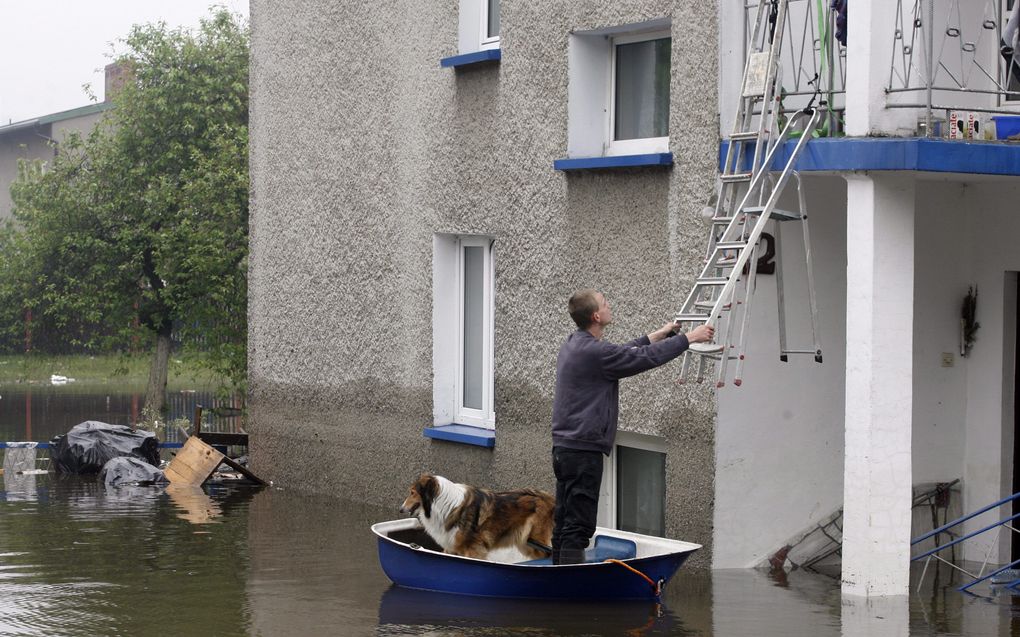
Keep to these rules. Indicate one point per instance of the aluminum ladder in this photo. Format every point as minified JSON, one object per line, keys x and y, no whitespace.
{"x":745,"y":203}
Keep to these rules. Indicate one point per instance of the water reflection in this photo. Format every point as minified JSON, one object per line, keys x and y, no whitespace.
{"x":402,"y":608}
{"x":38,"y":413}
{"x":194,"y":505}
{"x":80,"y":558}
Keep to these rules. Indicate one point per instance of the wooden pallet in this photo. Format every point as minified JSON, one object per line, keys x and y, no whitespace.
{"x":197,"y":461}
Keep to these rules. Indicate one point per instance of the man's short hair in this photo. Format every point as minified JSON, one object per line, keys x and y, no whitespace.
{"x":581,"y":306}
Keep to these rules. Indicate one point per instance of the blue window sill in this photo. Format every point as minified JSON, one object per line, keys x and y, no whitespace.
{"x":467,"y":59}
{"x":464,"y":434}
{"x":617,"y":161}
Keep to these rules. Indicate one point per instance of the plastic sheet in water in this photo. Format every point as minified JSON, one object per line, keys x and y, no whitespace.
{"x":127,"y":471}
{"x":91,"y":444}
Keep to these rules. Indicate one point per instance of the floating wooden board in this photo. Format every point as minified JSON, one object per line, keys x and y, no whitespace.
{"x":194,"y":463}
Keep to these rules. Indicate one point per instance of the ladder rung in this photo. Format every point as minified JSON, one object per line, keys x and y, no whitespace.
{"x":735,"y":178}
{"x":712,"y":280}
{"x":810,"y":352}
{"x":778,"y":215}
{"x":722,"y":220}
{"x":744,"y":136}
{"x":708,"y":305}
{"x":731,"y":245}
{"x":706,"y":349}
{"x":691,"y":318}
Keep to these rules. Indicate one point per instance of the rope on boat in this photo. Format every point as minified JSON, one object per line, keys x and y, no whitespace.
{"x":656,"y":586}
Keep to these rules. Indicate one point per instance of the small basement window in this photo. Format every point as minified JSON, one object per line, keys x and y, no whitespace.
{"x":633,"y":493}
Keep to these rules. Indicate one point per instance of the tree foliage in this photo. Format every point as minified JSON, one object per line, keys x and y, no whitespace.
{"x":141,"y":226}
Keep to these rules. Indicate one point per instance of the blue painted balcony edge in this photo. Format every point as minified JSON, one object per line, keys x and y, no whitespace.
{"x":617,"y":161}
{"x":464,"y":434}
{"x":889,"y":153}
{"x":477,"y":57}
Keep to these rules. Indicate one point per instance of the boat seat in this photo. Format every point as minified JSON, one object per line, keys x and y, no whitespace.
{"x":605,"y":548}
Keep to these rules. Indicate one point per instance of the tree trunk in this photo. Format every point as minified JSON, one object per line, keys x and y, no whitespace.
{"x":155,"y":394}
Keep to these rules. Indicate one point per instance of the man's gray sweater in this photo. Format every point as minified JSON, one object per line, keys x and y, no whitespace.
{"x":588,"y":373}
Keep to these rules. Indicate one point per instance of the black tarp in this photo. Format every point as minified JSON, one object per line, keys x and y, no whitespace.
{"x":91,"y":444}
{"x":125,"y":471}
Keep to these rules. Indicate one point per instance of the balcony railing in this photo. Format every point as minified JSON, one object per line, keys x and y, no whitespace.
{"x":949,"y":55}
{"x":812,"y":63}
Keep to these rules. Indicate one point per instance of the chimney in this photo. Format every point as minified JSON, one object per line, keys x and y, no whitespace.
{"x":116,"y":75}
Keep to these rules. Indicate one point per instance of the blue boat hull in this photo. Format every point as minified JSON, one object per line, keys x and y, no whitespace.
{"x":415,"y":567}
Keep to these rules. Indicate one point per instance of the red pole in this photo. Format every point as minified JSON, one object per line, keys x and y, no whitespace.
{"x":28,"y":330}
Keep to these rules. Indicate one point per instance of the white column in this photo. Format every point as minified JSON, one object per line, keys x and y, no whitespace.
{"x":879,"y":344}
{"x":885,"y":616}
{"x":870,"y":33}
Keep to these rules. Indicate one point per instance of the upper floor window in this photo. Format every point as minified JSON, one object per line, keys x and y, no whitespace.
{"x":618,"y":90}
{"x":478,"y":25}
{"x":490,"y":24}
{"x":639,"y":108}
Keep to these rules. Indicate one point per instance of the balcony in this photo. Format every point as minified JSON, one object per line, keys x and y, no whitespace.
{"x":949,"y":82}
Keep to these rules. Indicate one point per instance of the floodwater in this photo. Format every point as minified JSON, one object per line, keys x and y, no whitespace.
{"x":77,"y":558}
{"x":40,"y":412}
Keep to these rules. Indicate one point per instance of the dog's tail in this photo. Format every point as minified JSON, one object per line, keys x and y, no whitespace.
{"x":538,"y":545}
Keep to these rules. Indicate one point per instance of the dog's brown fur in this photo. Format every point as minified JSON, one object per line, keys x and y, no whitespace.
{"x":471,"y":521}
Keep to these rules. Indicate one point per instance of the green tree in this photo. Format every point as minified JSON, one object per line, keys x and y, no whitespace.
{"x":141,"y":226}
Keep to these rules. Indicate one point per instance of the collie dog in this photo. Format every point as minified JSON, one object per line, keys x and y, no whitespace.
{"x":470,"y":521}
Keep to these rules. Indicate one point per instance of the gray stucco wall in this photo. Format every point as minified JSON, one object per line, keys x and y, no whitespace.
{"x":362,"y":148}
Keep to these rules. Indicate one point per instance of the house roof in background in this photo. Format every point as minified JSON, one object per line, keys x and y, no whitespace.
{"x":81,"y":111}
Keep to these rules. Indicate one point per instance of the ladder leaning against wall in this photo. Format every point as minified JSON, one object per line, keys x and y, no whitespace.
{"x":747,"y":191}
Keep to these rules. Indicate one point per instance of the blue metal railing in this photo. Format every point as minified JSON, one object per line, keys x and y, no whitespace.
{"x":945,"y":528}
{"x":46,"y":445}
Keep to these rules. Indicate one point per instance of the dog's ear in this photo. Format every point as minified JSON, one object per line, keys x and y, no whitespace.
{"x":428,"y":489}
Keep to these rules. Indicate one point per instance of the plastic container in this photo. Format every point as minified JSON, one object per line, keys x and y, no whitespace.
{"x":1006,"y":126}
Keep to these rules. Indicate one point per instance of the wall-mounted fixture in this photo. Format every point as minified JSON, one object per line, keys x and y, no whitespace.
{"x":968,"y":321}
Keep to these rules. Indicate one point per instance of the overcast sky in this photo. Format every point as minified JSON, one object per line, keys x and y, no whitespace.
{"x":50,"y":48}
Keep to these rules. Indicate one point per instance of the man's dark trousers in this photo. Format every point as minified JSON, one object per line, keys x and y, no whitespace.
{"x":578,"y":480}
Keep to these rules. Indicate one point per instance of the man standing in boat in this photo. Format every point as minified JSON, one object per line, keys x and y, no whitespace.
{"x":586,"y":408}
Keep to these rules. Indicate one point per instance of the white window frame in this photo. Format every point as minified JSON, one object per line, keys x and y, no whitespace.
{"x":631,"y":146}
{"x":473,"y":27}
{"x":484,"y":40}
{"x":484,"y":417}
{"x":607,"y":492}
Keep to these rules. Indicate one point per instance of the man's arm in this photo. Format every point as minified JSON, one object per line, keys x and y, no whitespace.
{"x":621,"y":361}
{"x":700,"y":334}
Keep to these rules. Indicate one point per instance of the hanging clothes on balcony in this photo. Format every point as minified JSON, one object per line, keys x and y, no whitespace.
{"x":1008,"y":48}
{"x":839,"y":7}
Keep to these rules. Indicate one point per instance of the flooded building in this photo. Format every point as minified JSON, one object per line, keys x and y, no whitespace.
{"x":431,"y":182}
